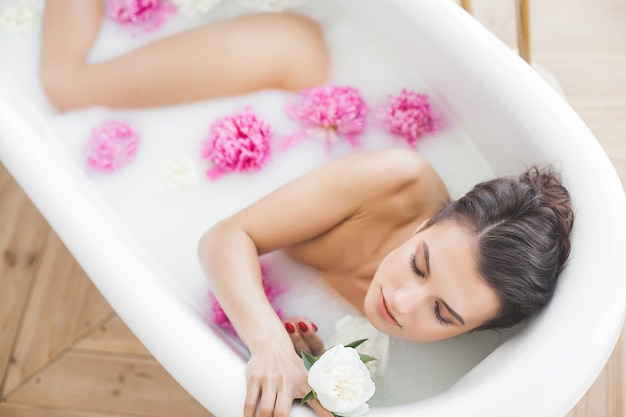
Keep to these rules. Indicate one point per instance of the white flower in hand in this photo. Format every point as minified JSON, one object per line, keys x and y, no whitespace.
{"x":341,"y":382}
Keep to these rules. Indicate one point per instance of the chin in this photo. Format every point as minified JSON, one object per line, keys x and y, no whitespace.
{"x":371,"y":314}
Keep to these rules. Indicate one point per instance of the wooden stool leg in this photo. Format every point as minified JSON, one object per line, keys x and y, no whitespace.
{"x":523,"y":28}
{"x":467,"y":5}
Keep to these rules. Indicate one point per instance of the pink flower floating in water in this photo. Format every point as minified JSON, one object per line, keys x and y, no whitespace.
{"x":328,"y":113}
{"x":271,"y":292}
{"x":111,"y":146}
{"x":237,"y":143}
{"x":408,"y":115}
{"x":132,"y":11}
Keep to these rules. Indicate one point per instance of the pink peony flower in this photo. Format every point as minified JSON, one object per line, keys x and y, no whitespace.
{"x":408,"y":115}
{"x":328,"y":113}
{"x":111,"y":146}
{"x":132,"y":11}
{"x":237,"y":143}
{"x":272,"y":292}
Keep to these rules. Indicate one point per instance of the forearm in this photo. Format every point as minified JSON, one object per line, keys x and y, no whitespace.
{"x":275,"y":374}
{"x":230,"y":262}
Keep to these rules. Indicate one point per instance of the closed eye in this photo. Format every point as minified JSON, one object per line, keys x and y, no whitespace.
{"x":439,"y":317}
{"x":413,"y":264}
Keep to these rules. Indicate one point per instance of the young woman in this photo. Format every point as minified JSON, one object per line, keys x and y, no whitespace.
{"x":377,"y":226}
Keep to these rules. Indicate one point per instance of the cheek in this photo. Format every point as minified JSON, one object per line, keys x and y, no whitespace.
{"x":429,"y":331}
{"x":420,"y":331}
{"x":424,"y":327}
{"x":388,"y":272}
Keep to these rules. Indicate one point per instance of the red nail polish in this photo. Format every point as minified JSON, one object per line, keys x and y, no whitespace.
{"x":314,"y":326}
{"x":290,"y":328}
{"x":302,"y":325}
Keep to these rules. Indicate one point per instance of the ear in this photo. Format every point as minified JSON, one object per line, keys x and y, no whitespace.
{"x":422,"y":226}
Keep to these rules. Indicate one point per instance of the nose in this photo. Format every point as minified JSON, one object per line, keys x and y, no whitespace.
{"x":409,"y":296}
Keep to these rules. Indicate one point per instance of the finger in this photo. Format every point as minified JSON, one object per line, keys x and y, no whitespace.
{"x":299,"y":343}
{"x":304,"y":326}
{"x":268,"y":400}
{"x":298,"y":319}
{"x":319,"y":410}
{"x":252,"y":397}
{"x":308,"y":332}
{"x":313,"y":341}
{"x":290,"y":327}
{"x":316,"y":345}
{"x":284,"y":400}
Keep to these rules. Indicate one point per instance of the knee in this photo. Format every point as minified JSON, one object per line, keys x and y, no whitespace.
{"x":57,"y":85}
{"x":311,"y":67}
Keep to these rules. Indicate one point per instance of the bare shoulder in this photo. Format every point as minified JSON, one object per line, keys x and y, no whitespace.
{"x":390,"y":170}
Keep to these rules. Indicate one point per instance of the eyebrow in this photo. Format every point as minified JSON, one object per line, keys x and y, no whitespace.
{"x":427,"y":259}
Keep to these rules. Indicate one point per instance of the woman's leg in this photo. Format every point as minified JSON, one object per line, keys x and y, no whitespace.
{"x":70,"y":27}
{"x":234,"y":56}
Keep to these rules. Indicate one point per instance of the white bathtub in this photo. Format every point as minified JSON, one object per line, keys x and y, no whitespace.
{"x":513,"y":118}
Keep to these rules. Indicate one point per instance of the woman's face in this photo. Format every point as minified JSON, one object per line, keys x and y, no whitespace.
{"x":429,"y":288}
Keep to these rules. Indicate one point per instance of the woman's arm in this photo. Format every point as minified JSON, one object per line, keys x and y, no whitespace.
{"x":300,"y":210}
{"x":228,"y":57}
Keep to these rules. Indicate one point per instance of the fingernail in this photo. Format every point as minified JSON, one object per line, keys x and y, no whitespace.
{"x":290,"y":328}
{"x":302,"y":325}
{"x":314,"y":326}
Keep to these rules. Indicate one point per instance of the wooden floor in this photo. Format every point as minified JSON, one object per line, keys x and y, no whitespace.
{"x":63,"y":350}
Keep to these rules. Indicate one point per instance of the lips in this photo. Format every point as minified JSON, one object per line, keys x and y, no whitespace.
{"x":384,"y":311}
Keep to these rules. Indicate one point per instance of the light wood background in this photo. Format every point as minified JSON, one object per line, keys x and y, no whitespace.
{"x":65,"y":353}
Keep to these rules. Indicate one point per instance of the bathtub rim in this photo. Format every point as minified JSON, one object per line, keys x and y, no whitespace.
{"x":21,"y":113}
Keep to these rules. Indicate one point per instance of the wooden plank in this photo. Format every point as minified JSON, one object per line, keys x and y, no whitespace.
{"x":113,"y":337}
{"x":109,"y":383}
{"x":19,"y":410}
{"x":467,"y":5}
{"x":5,"y":177}
{"x":22,"y":235}
{"x":498,"y":17}
{"x":63,"y":306}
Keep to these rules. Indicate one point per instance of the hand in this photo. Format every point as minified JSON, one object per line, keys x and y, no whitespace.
{"x":275,"y":377}
{"x":303,"y":333}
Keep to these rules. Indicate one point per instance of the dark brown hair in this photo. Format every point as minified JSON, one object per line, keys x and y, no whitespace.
{"x":522,"y":228}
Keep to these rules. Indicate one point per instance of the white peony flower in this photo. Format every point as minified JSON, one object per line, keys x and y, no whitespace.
{"x":270,"y":5}
{"x":179,"y":172}
{"x":341,"y":382}
{"x":351,"y":328}
{"x":194,"y":8}
{"x":23,"y":18}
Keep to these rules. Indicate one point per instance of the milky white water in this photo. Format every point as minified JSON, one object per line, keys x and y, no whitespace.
{"x":169,"y":224}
